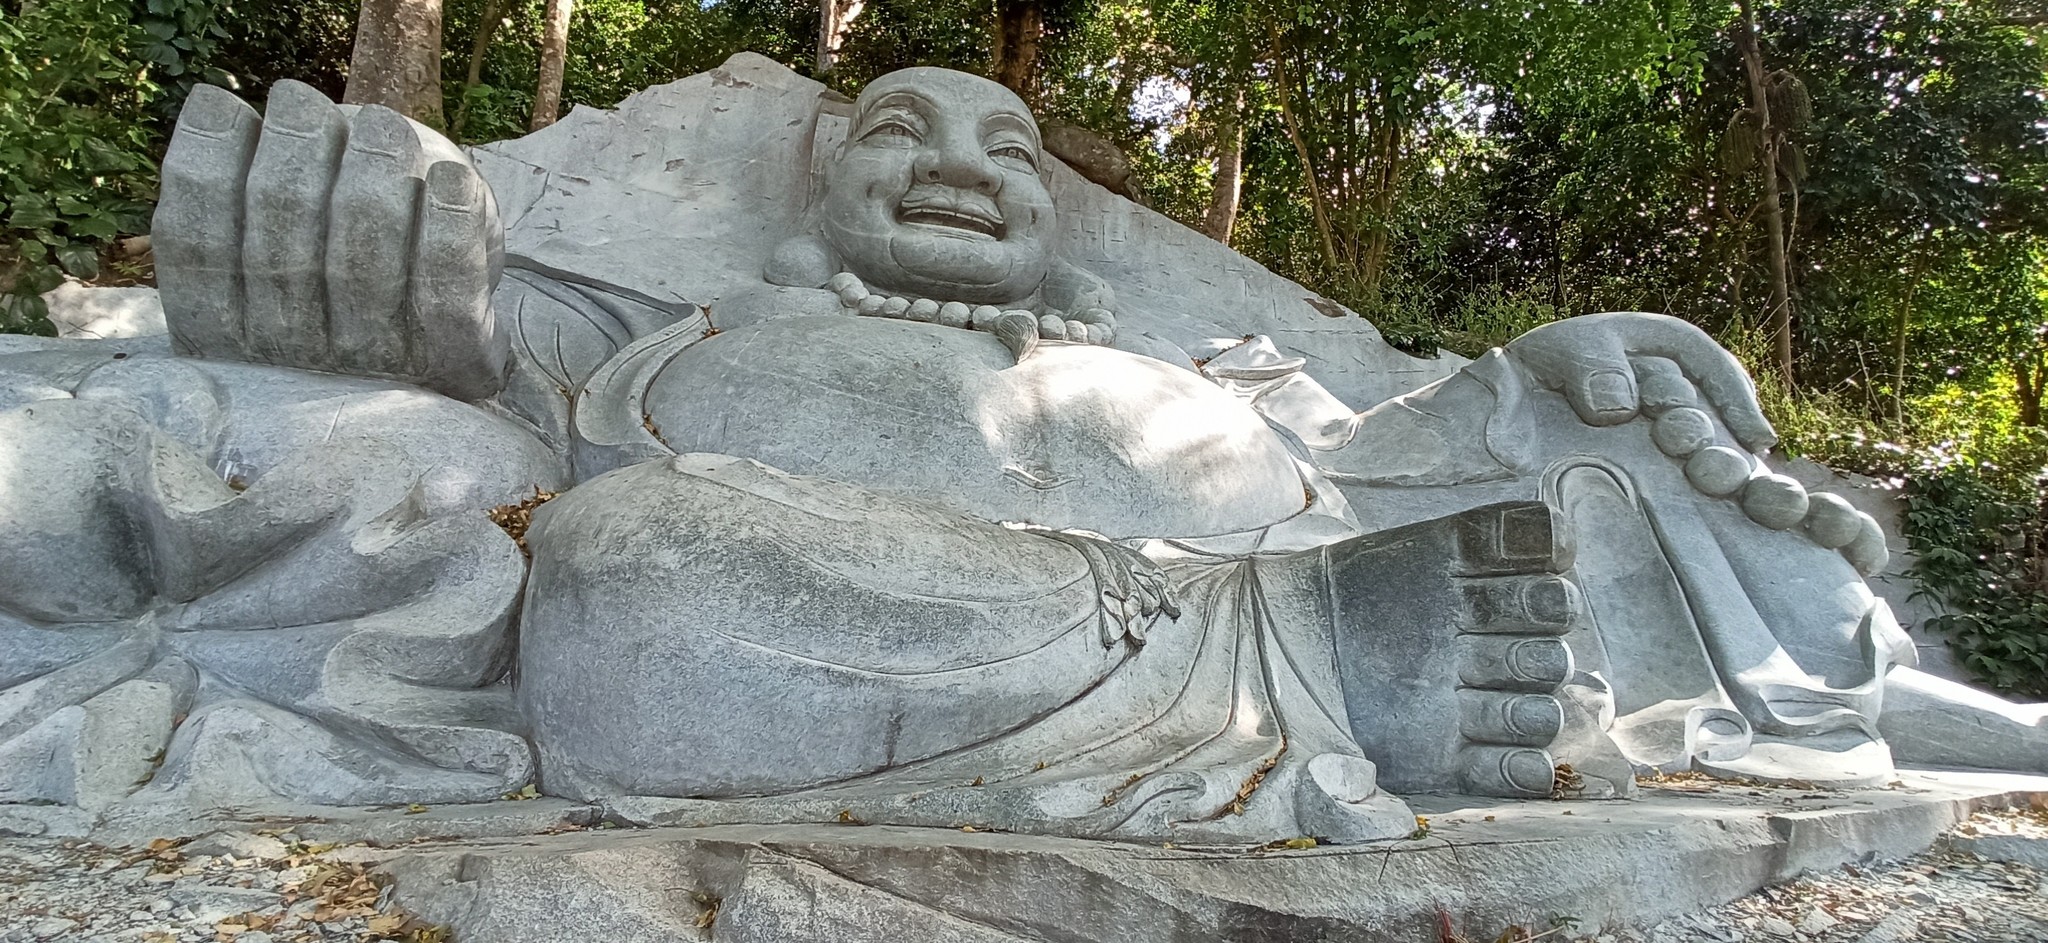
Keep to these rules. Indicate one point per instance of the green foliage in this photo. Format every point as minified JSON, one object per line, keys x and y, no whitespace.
{"x":77,"y":146}
{"x":1972,"y":479}
{"x":1980,"y":544}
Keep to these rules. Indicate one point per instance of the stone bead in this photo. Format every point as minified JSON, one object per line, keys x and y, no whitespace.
{"x":955,"y":314}
{"x":923,"y":309}
{"x":871,"y":306}
{"x":984,"y":317}
{"x":1775,"y":501}
{"x":1868,"y":552}
{"x":894,"y":307}
{"x":1682,"y":431}
{"x":1718,"y":470}
{"x":1051,"y":327}
{"x":1831,"y":520}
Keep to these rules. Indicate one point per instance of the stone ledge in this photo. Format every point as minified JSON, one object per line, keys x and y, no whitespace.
{"x":1681,"y":847}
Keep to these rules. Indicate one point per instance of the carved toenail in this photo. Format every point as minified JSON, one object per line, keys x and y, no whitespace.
{"x":1528,"y":770}
{"x":1540,"y":660}
{"x":1502,"y":717}
{"x":1552,"y":601}
{"x":1513,"y":772}
{"x":1611,"y":391}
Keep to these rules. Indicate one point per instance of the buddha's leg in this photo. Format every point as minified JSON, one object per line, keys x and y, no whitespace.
{"x":706,"y":626}
{"x":363,"y":629}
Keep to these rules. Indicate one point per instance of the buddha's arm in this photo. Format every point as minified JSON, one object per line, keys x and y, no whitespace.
{"x":1475,"y":424}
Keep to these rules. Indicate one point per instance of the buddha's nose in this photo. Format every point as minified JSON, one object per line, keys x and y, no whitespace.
{"x":958,"y":166}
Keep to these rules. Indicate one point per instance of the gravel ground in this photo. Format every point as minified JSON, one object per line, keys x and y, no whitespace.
{"x":273,"y":888}
{"x":241,"y":888}
{"x":1952,"y":894}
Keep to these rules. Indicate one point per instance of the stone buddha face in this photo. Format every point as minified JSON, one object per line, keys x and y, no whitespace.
{"x":936,"y":191}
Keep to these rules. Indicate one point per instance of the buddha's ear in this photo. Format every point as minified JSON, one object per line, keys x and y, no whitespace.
{"x":1070,"y":287}
{"x":803,"y":261}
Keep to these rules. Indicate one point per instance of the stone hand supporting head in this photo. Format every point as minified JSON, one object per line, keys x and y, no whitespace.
{"x":343,"y":240}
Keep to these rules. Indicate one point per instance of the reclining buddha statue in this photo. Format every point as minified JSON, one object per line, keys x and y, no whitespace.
{"x":904,"y":477}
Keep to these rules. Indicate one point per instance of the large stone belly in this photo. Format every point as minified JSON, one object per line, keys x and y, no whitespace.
{"x":1073,"y":437}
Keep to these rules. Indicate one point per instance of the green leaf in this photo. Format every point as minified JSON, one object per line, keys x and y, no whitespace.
{"x":79,"y":259}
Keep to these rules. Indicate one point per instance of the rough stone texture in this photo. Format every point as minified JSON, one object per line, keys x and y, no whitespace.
{"x":143,"y":589}
{"x":836,"y":375}
{"x":353,"y":241}
{"x":618,"y":199}
{"x":1132,"y":448}
{"x":82,"y":313}
{"x":1093,"y":155}
{"x":1685,"y":845}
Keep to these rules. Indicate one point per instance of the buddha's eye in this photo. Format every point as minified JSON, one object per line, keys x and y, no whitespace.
{"x":896,"y":130}
{"x":1016,"y":153}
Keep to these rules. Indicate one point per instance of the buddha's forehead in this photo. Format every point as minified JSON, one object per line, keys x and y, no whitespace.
{"x":945,"y":92}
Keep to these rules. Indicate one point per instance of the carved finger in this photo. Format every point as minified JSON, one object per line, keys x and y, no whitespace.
{"x":1713,"y":369}
{"x":197,"y":232}
{"x":1663,"y":387}
{"x":456,"y":345}
{"x":1052,"y":327}
{"x":1587,"y":364}
{"x":376,"y":194}
{"x":1018,"y":331}
{"x":284,"y":248}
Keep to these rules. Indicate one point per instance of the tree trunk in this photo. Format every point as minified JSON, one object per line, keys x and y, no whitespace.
{"x":1316,"y":200}
{"x":1020,"y":25}
{"x":2026,"y":374}
{"x":397,"y":59}
{"x":479,"y":48}
{"x":1900,"y":332}
{"x":1229,"y":182}
{"x":1774,"y":213}
{"x":835,"y":20}
{"x":554,"y":53}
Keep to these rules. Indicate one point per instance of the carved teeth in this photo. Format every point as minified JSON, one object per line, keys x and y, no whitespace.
{"x":952,"y":219}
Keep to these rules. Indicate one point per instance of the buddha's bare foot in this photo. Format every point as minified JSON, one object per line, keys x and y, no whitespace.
{"x":1450,"y":637}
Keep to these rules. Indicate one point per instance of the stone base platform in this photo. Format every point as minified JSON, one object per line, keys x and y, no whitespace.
{"x":1683,"y":845}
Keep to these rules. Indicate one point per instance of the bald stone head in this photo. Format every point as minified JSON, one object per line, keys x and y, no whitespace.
{"x":937,"y":193}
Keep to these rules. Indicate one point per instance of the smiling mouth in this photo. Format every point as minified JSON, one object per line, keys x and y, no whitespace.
{"x":967,"y":221}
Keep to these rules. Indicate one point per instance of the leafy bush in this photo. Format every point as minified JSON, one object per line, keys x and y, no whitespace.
{"x":77,"y":144}
{"x":1980,"y":550}
{"x":1972,"y":478}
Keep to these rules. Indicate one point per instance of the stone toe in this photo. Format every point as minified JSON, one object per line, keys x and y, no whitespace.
{"x":1507,"y":717}
{"x":1537,"y":605}
{"x":1506,"y":663}
{"x":1511,"y":772}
